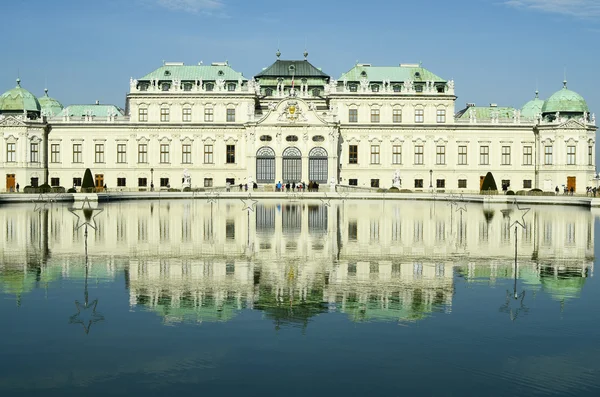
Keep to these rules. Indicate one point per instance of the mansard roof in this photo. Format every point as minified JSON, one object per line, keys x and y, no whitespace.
{"x":179,"y":71}
{"x":485,"y":112}
{"x":404,"y":72}
{"x":282,"y":68}
{"x":92,"y":110}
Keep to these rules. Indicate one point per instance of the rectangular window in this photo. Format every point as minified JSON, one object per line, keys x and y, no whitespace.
{"x":35,"y":154}
{"x":121,"y":182}
{"x":526,"y":183}
{"x":11,"y":152}
{"x":186,"y":154}
{"x":462,"y":183}
{"x":121,"y":153}
{"x":164,"y":153}
{"x":77,"y":153}
{"x":186,"y":115}
{"x":54,"y":182}
{"x":76,"y":182}
{"x":164,"y":182}
{"x":209,"y":115}
{"x":462,"y":155}
{"x":440,"y":155}
{"x":143,"y":153}
{"x":230,"y":154}
{"x":99,"y":153}
{"x":506,"y":182}
{"x":548,"y":155}
{"x":230,"y":115}
{"x":143,"y":114}
{"x":440,"y":183}
{"x":590,"y":155}
{"x":571,"y":159}
{"x":375,"y":151}
{"x":353,"y":115}
{"x":396,"y":154}
{"x":418,"y":154}
{"x":484,"y":155}
{"x":208,"y":154}
{"x":419,"y":115}
{"x":418,"y":183}
{"x":374,"y":182}
{"x":142,"y":182}
{"x":527,"y":155}
{"x":208,"y":182}
{"x":353,"y":154}
{"x":164,"y":114}
{"x":505,"y":155}
{"x":397,"y":116}
{"x":375,"y":116}
{"x":441,"y":116}
{"x":353,"y":182}
{"x":55,"y":153}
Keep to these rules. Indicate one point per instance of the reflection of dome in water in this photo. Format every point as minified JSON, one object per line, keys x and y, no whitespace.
{"x":565,"y":284}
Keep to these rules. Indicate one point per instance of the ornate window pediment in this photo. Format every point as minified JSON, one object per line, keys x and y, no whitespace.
{"x":143,"y":139}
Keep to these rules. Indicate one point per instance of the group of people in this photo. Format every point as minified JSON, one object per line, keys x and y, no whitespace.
{"x":591,"y":191}
{"x":570,"y":191}
{"x":300,"y":187}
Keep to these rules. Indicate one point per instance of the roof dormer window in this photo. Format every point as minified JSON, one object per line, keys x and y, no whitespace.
{"x":268,"y":92}
{"x":375,"y":88}
{"x":209,"y":86}
{"x":363,"y":74}
{"x":397,"y":88}
{"x":167,"y":73}
{"x":418,"y":88}
{"x":220,"y":73}
{"x":418,"y":75}
{"x":165,"y":86}
{"x":187,"y":86}
{"x":231,"y":87}
{"x":292,"y":68}
{"x":353,"y":88}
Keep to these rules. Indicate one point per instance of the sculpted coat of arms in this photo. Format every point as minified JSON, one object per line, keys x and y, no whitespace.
{"x":292,"y":112}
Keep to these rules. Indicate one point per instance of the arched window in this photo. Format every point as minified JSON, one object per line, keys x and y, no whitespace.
{"x":266,"y":138}
{"x":210,"y":86}
{"x":318,"y":138}
{"x":317,"y":165}
{"x":269,"y":92}
{"x":292,"y":165}
{"x":291,"y":138}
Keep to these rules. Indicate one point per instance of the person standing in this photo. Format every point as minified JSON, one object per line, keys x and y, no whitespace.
{"x":17,"y":187}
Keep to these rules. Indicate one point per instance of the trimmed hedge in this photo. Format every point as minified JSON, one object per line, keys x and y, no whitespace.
{"x":394,"y":190}
{"x":88,"y":181}
{"x":72,"y":190}
{"x":405,"y":191}
{"x":489,"y":183}
{"x":510,"y":193}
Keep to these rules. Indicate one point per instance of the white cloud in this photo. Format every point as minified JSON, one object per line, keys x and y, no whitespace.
{"x":588,"y":9}
{"x":195,"y":6}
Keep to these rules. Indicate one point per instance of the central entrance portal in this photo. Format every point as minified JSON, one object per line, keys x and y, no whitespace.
{"x":292,"y":165}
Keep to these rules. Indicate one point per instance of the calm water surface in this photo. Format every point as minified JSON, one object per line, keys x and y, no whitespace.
{"x":298,"y":298}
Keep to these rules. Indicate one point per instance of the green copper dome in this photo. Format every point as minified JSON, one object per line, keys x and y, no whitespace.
{"x":565,"y":101}
{"x":532,"y":108}
{"x":19,"y":100}
{"x":50,"y":106}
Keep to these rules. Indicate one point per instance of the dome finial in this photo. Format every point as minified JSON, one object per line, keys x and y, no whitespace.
{"x":18,"y":82}
{"x":537,"y":94}
{"x":565,"y":83}
{"x":278,"y":53}
{"x":46,"y":91}
{"x":305,"y":54}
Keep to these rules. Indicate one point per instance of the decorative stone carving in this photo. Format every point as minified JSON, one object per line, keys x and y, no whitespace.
{"x":364,"y":84}
{"x":220,"y":84}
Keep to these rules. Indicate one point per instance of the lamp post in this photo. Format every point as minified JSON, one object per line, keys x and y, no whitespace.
{"x":430,"y":178}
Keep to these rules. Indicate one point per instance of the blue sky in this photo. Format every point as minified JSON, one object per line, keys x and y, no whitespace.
{"x":496,"y":50}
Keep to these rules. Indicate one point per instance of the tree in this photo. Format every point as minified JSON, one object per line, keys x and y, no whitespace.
{"x":489,"y":183}
{"x":87,"y":185}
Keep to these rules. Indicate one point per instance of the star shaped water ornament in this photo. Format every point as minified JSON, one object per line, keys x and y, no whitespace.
{"x":41,"y":202}
{"x":523,"y":212}
{"x":86,"y":315}
{"x":451,"y":200}
{"x":249,"y":203}
{"x":344,"y":195}
{"x":88,"y":214}
{"x":212,"y":197}
{"x":461,"y":204}
{"x":326,"y":200}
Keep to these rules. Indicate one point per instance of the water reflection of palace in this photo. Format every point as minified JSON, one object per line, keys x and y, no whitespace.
{"x":195,"y":261}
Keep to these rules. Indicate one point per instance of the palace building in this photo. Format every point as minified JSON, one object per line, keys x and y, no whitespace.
{"x":292,"y":122}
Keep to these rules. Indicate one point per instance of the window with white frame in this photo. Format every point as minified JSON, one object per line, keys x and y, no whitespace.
{"x":505,"y":155}
{"x":11,"y":152}
{"x":55,"y":153}
{"x":352,"y":154}
{"x":77,"y":153}
{"x":462,"y":183}
{"x":418,"y":154}
{"x":527,"y":155}
{"x":99,"y":153}
{"x":375,"y":154}
{"x":396,"y":154}
{"x":353,"y":115}
{"x":375,"y":116}
{"x":440,"y":155}
{"x":548,"y":155}
{"x":164,"y":153}
{"x":462,"y":155}
{"x":571,"y":158}
{"x":186,"y":153}
{"x":164,"y":114}
{"x":143,"y":114}
{"x":230,"y":154}
{"x":397,"y":116}
{"x":35,"y":152}
{"x":121,"y":153}
{"x":230,"y":115}
{"x":143,"y":153}
{"x":208,"y":154}
{"x":441,"y":115}
{"x":186,"y":115}
{"x":419,"y":115}
{"x":209,"y":115}
{"x":484,"y":155}
{"x":590,"y":155}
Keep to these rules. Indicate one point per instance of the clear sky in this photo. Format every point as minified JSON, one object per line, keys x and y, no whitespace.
{"x":497,"y":51}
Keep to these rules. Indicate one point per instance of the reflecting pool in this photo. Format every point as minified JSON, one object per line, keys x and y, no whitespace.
{"x":298,"y":297}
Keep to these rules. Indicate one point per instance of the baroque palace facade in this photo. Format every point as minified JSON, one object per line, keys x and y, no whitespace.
{"x":294,"y":123}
